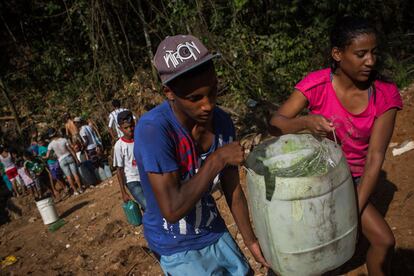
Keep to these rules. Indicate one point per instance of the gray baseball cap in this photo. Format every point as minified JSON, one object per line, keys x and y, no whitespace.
{"x":179,"y":54}
{"x":77,"y":119}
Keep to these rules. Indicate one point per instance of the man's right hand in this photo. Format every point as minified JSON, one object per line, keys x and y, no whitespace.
{"x":126,"y":197}
{"x":231,"y":154}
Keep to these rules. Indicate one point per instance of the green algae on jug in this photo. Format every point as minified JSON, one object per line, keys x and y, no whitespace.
{"x":303,"y":204}
{"x":297,"y":157}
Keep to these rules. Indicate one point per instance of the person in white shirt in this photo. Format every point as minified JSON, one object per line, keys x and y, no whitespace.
{"x":124,"y":161}
{"x":114,"y":130}
{"x":89,"y":138}
{"x":67,"y":159}
{"x":7,"y":158}
{"x":113,"y":125}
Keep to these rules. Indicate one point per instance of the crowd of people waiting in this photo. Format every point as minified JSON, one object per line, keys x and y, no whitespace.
{"x":60,"y":163}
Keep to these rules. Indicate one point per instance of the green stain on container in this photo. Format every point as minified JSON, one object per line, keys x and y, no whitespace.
{"x":297,"y":160}
{"x":290,"y":146}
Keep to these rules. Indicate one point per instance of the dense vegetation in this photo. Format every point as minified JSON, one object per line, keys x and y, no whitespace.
{"x":76,"y":55}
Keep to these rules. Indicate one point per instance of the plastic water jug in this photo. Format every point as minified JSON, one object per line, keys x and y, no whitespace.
{"x":53,"y":227}
{"x":132,"y":212}
{"x":303,"y":206}
{"x":107,"y":170}
{"x":86,"y":171}
{"x":103,"y":172}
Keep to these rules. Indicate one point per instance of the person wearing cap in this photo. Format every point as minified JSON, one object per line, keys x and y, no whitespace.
{"x":113,"y":125}
{"x":67,"y":159}
{"x":90,"y":122}
{"x":89,"y":140}
{"x":184,"y":147}
{"x":124,"y":161}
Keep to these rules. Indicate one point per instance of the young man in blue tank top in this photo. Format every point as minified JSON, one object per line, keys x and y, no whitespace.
{"x":184,"y":147}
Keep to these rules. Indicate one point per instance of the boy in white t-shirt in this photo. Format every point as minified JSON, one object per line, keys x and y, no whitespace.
{"x":124,"y":160}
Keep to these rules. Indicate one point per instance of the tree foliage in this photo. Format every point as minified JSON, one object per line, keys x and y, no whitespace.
{"x":77,"y":54}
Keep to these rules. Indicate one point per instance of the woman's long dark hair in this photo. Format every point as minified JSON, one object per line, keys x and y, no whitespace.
{"x":344,"y":31}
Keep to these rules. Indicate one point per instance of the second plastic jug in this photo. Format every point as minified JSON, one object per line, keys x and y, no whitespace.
{"x":132,"y":212}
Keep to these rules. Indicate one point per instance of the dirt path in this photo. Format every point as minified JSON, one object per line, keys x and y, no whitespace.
{"x":96,"y":238}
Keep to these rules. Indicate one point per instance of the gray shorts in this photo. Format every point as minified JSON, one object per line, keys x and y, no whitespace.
{"x":68,"y":166}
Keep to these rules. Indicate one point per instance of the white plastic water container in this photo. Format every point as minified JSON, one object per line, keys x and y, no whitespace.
{"x":107,"y":171}
{"x":103,"y":173}
{"x":47,"y":210}
{"x":305,"y":225}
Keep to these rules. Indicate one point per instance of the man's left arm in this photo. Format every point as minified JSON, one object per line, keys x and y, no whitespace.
{"x":238,"y":206}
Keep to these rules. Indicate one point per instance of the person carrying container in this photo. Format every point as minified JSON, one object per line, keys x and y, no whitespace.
{"x":124,"y":161}
{"x":92,"y":145}
{"x":183,"y":148}
{"x":39,"y":173}
{"x":352,"y":102}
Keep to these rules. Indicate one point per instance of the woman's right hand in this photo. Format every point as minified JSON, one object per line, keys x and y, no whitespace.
{"x":317,"y":124}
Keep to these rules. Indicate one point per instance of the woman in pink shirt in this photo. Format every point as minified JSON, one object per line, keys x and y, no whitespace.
{"x":355,"y":102}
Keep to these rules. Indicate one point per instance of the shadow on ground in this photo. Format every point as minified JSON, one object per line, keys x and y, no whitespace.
{"x":74,"y":208}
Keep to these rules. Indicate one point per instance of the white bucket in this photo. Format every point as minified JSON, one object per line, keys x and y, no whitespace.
{"x":47,"y":210}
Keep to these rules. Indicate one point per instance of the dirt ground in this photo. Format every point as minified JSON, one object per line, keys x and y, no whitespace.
{"x":96,"y":238}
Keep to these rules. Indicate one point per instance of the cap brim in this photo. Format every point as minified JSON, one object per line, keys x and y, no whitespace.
{"x":206,"y":58}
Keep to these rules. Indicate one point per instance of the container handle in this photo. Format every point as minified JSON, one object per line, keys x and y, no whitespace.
{"x":334,"y":136}
{"x":250,"y":171}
